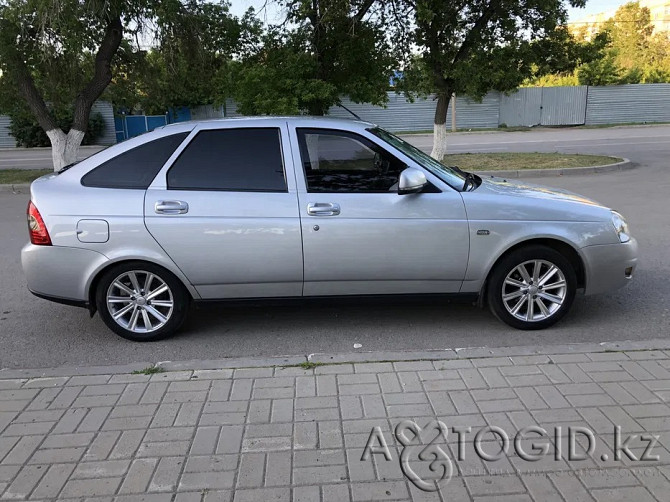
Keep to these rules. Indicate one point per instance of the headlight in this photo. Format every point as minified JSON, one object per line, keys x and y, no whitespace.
{"x":620,"y":227}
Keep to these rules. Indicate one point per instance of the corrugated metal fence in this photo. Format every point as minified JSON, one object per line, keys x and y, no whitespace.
{"x":6,"y":139}
{"x":628,"y":103}
{"x":400,"y":114}
{"x":530,"y":106}
{"x":522,"y":108}
{"x":105,"y":109}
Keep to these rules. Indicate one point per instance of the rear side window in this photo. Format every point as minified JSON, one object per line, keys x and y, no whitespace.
{"x":134,"y":168}
{"x":239,"y":160}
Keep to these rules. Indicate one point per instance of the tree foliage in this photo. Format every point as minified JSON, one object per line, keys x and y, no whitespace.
{"x":28,"y":133}
{"x":59,"y":56}
{"x":470,"y":47}
{"x":628,"y":52}
{"x":193,"y":46}
{"x":60,"y":52}
{"x":333,"y":48}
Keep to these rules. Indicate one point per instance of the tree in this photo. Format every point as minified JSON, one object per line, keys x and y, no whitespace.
{"x":42,"y":56}
{"x":641,"y":55}
{"x":62,"y":54}
{"x":628,"y":52}
{"x":334,"y":48}
{"x":470,"y":47}
{"x":195,"y":43}
{"x":603,"y":71}
{"x":566,"y":59}
{"x":630,"y":31}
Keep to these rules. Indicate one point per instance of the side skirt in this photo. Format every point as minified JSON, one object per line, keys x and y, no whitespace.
{"x":348,"y":299}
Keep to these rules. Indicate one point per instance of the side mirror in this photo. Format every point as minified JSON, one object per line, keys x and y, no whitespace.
{"x":411,"y":181}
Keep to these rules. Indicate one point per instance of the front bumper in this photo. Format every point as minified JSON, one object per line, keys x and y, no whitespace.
{"x":60,"y":274}
{"x":609,"y":266}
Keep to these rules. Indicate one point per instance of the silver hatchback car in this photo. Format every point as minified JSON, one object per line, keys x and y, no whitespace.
{"x":302,"y":207}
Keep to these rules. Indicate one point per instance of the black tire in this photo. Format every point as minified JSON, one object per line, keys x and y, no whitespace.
{"x":508,"y":265}
{"x":177,"y":294}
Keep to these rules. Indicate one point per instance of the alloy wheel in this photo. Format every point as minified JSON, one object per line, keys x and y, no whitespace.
{"x":139,"y":301}
{"x":534,"y":290}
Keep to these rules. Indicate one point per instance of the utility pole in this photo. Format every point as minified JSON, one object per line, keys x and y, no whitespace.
{"x":453,"y":112}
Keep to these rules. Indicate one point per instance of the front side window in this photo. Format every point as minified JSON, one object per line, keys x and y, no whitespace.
{"x":239,"y":160}
{"x":135,"y":168}
{"x":340,"y":161}
{"x":447,"y":174}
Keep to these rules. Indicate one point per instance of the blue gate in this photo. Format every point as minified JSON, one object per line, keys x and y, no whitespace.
{"x":129,"y":126}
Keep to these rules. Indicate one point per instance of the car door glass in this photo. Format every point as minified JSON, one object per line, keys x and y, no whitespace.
{"x":239,"y":160}
{"x":135,"y":168}
{"x":339,"y":161}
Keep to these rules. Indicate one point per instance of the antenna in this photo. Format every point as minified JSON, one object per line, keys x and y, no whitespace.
{"x":347,"y":109}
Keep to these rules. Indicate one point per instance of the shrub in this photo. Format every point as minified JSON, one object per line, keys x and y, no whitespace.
{"x":28,"y":133}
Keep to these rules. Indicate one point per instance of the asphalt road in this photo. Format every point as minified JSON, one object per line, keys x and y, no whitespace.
{"x":36,"y":333}
{"x":36,"y":158}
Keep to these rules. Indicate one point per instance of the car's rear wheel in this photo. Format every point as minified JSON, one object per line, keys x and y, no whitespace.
{"x":532,"y":287}
{"x":141,"y":301}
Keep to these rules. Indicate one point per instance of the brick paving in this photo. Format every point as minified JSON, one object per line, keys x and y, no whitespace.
{"x":294,"y":434}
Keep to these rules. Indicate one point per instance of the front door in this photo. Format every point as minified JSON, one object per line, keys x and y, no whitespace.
{"x":359,"y":235}
{"x":226,"y":212}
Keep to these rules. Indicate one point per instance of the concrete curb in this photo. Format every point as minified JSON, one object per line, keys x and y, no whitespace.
{"x":351,"y":357}
{"x":571,"y":171}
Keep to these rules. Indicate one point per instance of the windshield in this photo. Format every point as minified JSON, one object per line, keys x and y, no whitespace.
{"x":447,"y":174}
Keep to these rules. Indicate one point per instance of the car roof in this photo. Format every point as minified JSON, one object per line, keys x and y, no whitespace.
{"x":303,"y":120}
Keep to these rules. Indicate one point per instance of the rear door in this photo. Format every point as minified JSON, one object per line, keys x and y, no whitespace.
{"x":224,"y":208}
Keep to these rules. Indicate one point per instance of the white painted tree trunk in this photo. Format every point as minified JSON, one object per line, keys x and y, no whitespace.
{"x":64,"y":147}
{"x":439,"y":141}
{"x":313,"y":150}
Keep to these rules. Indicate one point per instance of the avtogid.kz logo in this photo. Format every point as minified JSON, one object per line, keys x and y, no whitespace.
{"x":425,"y":462}
{"x":418,"y":444}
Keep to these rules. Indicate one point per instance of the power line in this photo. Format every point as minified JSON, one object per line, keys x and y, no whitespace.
{"x":651,"y":21}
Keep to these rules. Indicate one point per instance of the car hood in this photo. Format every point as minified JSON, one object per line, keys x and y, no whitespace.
{"x":501,"y":199}
{"x":503,"y":186}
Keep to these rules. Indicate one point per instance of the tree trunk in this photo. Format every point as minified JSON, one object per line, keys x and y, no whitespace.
{"x":440,"y":126}
{"x":64,"y":147}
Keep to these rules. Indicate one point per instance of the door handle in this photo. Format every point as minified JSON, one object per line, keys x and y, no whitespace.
{"x":323,"y":209}
{"x":171,"y":207}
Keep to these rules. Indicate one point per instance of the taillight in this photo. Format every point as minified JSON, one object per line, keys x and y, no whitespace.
{"x":36,"y":227}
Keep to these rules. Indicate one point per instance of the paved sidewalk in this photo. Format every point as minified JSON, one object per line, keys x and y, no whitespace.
{"x":338,"y":432}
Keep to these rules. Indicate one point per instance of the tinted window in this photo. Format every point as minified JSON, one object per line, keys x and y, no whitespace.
{"x":339,"y":161}
{"x":134,"y":168}
{"x":449,"y":174}
{"x":231,"y":159}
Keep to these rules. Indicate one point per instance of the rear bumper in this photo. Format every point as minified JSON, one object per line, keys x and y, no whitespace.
{"x":609,"y":267}
{"x":60,"y":274}
{"x":64,"y":301}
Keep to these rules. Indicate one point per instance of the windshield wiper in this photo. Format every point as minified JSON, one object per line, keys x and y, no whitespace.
{"x":470,"y":178}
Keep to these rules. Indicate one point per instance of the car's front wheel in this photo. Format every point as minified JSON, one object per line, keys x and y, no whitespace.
{"x":141,"y":301}
{"x":532,"y":287}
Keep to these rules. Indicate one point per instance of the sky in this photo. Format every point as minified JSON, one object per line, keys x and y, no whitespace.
{"x":594,"y":7}
{"x":272,"y":13}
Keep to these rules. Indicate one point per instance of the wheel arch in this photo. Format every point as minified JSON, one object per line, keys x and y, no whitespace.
{"x":93,"y":285}
{"x":561,"y":246}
